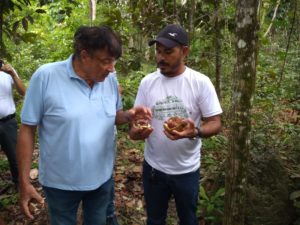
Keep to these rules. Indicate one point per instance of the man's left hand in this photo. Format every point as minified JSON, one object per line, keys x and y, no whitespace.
{"x":187,"y":132}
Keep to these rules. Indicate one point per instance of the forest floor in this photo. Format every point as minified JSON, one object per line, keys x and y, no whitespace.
{"x":129,"y":201}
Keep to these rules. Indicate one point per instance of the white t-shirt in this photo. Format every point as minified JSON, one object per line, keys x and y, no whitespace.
{"x":7,"y":104}
{"x":189,"y":95}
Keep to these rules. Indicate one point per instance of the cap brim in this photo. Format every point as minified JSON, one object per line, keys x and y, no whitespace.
{"x":164,"y":41}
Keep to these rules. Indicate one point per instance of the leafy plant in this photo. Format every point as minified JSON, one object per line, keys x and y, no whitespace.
{"x":210,"y":205}
{"x":129,"y":85}
{"x":8,"y":200}
{"x":3,"y":165}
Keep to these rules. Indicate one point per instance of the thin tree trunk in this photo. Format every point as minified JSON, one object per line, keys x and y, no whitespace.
{"x":217,"y":43}
{"x":288,"y":44}
{"x":1,"y":27}
{"x":174,"y":11}
{"x":273,"y":18}
{"x":243,"y":90}
{"x":92,"y":11}
{"x":191,"y":19}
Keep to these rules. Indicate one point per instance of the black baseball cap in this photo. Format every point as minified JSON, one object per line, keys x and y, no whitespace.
{"x":171,"y":36}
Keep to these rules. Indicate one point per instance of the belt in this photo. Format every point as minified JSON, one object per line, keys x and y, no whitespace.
{"x":9,"y":117}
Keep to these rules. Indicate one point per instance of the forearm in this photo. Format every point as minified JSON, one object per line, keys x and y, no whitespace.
{"x":25,"y":147}
{"x":131,"y":114}
{"x":18,"y":84}
{"x":211,"y":126}
{"x":122,"y":117}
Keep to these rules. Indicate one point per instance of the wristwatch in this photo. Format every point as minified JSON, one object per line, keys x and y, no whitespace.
{"x":198,"y":134}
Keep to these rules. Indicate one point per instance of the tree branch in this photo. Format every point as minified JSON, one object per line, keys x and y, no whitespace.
{"x":273,"y":18}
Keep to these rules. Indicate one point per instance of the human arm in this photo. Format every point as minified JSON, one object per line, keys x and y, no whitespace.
{"x":130,"y":114}
{"x":210,"y":126}
{"x":25,"y":146}
{"x":21,"y":89}
{"x":140,"y":132}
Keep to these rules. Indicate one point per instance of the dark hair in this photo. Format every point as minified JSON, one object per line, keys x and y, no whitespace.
{"x":96,"y":38}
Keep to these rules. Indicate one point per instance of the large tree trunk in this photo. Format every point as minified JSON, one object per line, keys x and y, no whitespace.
{"x":243,"y":89}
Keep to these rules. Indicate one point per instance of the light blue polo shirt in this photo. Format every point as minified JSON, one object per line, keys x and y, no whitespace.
{"x":76,"y":126}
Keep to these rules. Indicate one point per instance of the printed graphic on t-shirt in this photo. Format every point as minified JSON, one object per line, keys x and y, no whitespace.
{"x":168,"y":107}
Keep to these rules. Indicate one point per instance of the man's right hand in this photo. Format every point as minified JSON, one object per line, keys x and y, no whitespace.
{"x":139,"y":132}
{"x":28,"y":195}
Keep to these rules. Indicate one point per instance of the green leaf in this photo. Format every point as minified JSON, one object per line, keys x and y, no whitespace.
{"x":15,"y":26}
{"x":30,"y":19}
{"x":25,"y":23}
{"x":40,"y":11}
{"x":203,"y":193}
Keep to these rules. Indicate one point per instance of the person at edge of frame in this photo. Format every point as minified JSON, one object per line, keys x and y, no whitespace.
{"x":9,"y":79}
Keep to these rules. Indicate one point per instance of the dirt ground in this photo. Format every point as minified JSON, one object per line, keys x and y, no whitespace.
{"x":128,"y":193}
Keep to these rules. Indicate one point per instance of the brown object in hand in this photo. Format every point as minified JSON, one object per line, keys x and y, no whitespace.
{"x":175,"y":123}
{"x":141,"y":124}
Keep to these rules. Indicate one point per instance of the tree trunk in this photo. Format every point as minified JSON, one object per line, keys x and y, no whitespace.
{"x":217,"y":43}
{"x":175,"y":18}
{"x":295,"y":6}
{"x":191,"y":18}
{"x":92,"y":10}
{"x":243,"y":90}
{"x":1,"y":27}
{"x":273,"y":18}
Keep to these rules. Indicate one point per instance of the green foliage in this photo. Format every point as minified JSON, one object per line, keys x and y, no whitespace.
{"x":11,"y":198}
{"x":34,"y":165}
{"x":42,"y":32}
{"x":130,"y":84}
{"x":215,"y":143}
{"x":8,"y":200}
{"x":10,"y":23}
{"x":3,"y":165}
{"x":127,"y":143}
{"x":212,"y":153}
{"x":210,"y":205}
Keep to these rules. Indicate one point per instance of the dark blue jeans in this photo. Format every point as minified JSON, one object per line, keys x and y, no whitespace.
{"x":111,"y":206}
{"x":158,"y":189}
{"x":8,"y":140}
{"x":110,"y":213}
{"x":63,"y":205}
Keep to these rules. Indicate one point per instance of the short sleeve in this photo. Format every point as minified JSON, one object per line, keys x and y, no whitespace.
{"x":209,"y":103}
{"x":140,"y":97}
{"x":32,"y":110}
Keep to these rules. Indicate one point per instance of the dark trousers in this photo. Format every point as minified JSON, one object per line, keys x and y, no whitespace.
{"x":111,"y":218}
{"x":158,"y":189}
{"x":8,"y":141}
{"x":63,"y":205}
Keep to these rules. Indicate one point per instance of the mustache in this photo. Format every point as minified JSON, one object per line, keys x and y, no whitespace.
{"x":162,"y":63}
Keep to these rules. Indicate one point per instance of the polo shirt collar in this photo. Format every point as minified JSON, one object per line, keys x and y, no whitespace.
{"x":70,"y":69}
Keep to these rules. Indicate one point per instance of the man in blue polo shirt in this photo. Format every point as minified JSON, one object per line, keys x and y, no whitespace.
{"x":75,"y":104}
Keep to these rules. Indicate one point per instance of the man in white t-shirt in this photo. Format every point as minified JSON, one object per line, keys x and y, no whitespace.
{"x":172,"y":158}
{"x":8,"y":124}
